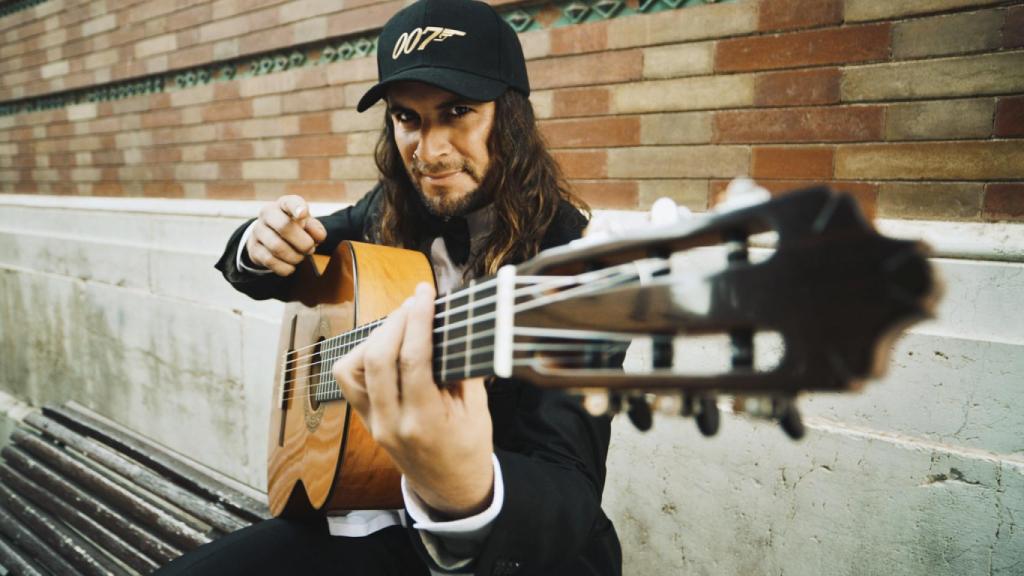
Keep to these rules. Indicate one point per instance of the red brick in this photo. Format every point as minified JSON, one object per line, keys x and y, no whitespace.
{"x":332,"y":145}
{"x":315,"y":123}
{"x":229,"y":170}
{"x":588,"y":69}
{"x":271,"y":39}
{"x":236,"y":150}
{"x":608,"y":194}
{"x":1013,"y":28}
{"x":577,"y":39}
{"x":591,"y":132}
{"x":230,"y":190}
{"x":315,"y":168}
{"x":846,"y":124}
{"x":163,"y":190}
{"x":797,"y":88}
{"x":792,"y":14}
{"x":1010,"y":117}
{"x":581,"y":102}
{"x":161,"y":155}
{"x":107,"y":189}
{"x":62,"y":130}
{"x":866,"y":193}
{"x":792,"y":163}
{"x":193,"y":56}
{"x":810,"y":48}
{"x":362,"y":19}
{"x":162,"y":118}
{"x":226,"y":111}
{"x":225,"y":91}
{"x":583,"y":164}
{"x":189,"y":18}
{"x":1004,"y":201}
{"x":318,"y":191}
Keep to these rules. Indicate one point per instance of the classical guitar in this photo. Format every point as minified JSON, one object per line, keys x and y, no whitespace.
{"x":834,"y":290}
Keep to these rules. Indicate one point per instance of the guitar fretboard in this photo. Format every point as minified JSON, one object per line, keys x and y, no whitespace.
{"x":464,"y":328}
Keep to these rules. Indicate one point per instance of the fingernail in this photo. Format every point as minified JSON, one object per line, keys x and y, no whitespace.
{"x":408,"y":302}
{"x":422,"y":289}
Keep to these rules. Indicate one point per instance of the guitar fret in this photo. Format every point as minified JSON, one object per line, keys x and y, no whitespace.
{"x":469,"y":331}
{"x":444,"y":335}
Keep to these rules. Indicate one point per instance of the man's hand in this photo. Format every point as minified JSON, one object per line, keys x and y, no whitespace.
{"x":440,"y":438}
{"x":283,"y":235}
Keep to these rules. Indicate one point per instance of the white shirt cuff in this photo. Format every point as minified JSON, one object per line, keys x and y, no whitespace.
{"x":463,"y":527}
{"x":451,"y":543}
{"x":239,"y":262}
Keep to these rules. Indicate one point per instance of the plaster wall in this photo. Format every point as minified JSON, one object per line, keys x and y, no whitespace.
{"x":115,"y":304}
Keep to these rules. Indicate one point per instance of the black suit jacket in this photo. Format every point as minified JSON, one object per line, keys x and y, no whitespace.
{"x":552,"y":453}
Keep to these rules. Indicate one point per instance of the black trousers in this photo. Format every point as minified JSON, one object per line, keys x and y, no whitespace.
{"x":284,"y":547}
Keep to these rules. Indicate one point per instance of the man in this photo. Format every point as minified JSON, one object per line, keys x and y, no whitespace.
{"x":498,"y":477}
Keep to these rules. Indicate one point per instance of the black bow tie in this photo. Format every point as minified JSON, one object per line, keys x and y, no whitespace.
{"x":455,"y":231}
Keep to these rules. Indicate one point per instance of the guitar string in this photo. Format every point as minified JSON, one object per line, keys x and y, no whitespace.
{"x":541,"y":283}
{"x":566,"y":294}
{"x":519,"y":307}
{"x":535,"y":284}
{"x":525,"y":291}
{"x":589,"y":348}
{"x":346,"y":347}
{"x":455,"y":355}
{"x":563,"y":361}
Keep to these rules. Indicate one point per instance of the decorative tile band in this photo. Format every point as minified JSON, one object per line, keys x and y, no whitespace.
{"x":8,"y":8}
{"x":543,"y":16}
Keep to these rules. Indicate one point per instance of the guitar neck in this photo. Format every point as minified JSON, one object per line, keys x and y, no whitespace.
{"x":464,"y":338}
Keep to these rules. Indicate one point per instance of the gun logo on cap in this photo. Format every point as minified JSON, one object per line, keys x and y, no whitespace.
{"x":411,"y":40}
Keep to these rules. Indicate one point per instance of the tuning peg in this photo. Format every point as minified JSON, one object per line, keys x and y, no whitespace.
{"x":791,"y":422}
{"x":639,"y":413}
{"x":596,"y":402}
{"x":708,"y":416}
{"x":599,"y":402}
{"x":781,"y":408}
{"x":668,"y":404}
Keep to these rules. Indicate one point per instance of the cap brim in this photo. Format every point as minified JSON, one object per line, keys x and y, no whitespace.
{"x":456,"y":81}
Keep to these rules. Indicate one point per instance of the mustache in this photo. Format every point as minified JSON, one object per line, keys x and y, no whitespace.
{"x":420,"y":168}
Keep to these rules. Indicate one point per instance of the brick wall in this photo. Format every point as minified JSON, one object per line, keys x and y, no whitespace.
{"x":917,"y":107}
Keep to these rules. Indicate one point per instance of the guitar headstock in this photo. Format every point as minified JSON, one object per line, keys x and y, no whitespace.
{"x":832,"y":294}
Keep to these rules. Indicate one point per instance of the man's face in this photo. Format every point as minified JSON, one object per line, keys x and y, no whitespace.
{"x":442,"y":138}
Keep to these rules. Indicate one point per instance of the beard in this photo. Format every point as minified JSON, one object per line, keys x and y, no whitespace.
{"x":449,"y":205}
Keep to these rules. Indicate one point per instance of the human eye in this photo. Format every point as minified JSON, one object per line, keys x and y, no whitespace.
{"x":403,"y":116}
{"x":459,"y":110}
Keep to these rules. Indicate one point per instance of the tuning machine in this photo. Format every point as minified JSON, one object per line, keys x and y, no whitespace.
{"x":782,"y":409}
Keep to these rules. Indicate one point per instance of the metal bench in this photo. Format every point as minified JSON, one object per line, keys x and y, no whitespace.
{"x":82,"y":495}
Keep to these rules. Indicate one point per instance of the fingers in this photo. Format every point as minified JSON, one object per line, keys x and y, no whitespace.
{"x":284,"y":234}
{"x":418,"y":387}
{"x":284,"y":224}
{"x":381,"y":372}
{"x":315,"y":229}
{"x":294,"y":206}
{"x":349,"y":374}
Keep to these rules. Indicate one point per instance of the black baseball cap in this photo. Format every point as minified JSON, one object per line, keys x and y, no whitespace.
{"x":462,"y":46}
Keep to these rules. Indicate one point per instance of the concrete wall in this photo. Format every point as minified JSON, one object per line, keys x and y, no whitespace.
{"x":115,"y":304}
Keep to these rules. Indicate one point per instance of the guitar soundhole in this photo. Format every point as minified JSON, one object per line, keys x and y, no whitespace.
{"x":317,"y":370}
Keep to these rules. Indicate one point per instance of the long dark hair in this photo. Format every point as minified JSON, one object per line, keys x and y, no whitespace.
{"x":523,"y":180}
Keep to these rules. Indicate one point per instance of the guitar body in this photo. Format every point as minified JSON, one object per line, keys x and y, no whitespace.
{"x":321,"y":457}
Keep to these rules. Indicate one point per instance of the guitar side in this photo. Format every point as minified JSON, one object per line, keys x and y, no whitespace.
{"x":320,"y":455}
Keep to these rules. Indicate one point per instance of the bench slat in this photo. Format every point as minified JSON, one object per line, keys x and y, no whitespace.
{"x":176,"y":531}
{"x":17,"y":563}
{"x":155,"y":456}
{"x":75,"y":549}
{"x":43,"y":492}
{"x":207,"y":511}
{"x":16,"y":533}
